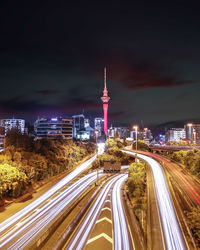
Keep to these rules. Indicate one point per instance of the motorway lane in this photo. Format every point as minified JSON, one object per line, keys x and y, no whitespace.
{"x":13,"y":220}
{"x":28,"y":222}
{"x":155,"y":237}
{"x":121,"y":232}
{"x":172,"y":234}
{"x":187,"y":182}
{"x":121,"y":235}
{"x":27,"y":229}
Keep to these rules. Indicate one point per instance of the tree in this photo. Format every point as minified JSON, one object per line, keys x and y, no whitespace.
{"x":193,"y":219}
{"x":141,"y":145}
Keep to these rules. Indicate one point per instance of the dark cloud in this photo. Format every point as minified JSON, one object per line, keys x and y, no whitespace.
{"x":46,"y":92}
{"x":145,"y":80}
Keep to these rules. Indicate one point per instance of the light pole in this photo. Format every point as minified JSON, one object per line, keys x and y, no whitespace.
{"x":190,"y":134}
{"x":96,"y":134}
{"x":136,"y":129}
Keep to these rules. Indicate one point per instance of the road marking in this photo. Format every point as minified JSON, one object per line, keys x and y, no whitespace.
{"x":107,"y":201}
{"x":99,"y":236}
{"x":102,"y":219}
{"x":106,"y":208}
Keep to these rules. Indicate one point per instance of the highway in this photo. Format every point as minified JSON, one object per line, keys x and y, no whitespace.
{"x":26,"y":225}
{"x":121,"y":233}
{"x":28,"y":228}
{"x":186,"y":181}
{"x":172,"y":234}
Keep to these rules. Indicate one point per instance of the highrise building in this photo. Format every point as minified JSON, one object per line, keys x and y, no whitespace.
{"x":176,"y":134}
{"x":105,"y":99}
{"x":144,"y":134}
{"x":193,"y":133}
{"x":78,"y":124}
{"x":53,"y":128}
{"x":8,"y":124}
{"x":121,"y":132}
{"x":99,"y":125}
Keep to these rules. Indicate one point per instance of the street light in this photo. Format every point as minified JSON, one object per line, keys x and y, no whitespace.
{"x":136,"y":129}
{"x":96,"y":134}
{"x":189,"y":125}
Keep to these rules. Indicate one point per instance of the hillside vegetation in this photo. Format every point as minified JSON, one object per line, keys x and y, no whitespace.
{"x":112,"y":154}
{"x":25,"y":161}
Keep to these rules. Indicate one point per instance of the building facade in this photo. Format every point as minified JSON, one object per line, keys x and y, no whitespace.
{"x":78,"y":124}
{"x":53,"y":128}
{"x":144,"y":134}
{"x":8,"y":124}
{"x":121,"y":132}
{"x":193,"y":133}
{"x":99,"y":125}
{"x":176,"y":134}
{"x":81,"y":128}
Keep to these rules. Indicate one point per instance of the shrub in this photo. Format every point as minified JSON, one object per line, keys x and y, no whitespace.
{"x":141,"y":145}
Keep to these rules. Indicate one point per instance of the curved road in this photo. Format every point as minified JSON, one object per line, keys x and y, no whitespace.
{"x":171,"y":230}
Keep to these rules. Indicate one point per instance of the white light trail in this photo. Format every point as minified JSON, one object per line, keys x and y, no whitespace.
{"x":81,"y":236}
{"x":172,"y":233}
{"x":25,"y":230}
{"x":22,"y":213}
{"x":121,"y":238}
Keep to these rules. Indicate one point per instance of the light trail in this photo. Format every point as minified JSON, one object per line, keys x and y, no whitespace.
{"x":121,"y":238}
{"x":190,"y":185}
{"x":22,"y":213}
{"x":22,"y":227}
{"x":172,"y":233}
{"x":27,"y":229}
{"x":120,"y":227}
{"x":31,"y":207}
{"x":84,"y":230}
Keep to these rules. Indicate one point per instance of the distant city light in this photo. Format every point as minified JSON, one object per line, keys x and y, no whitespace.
{"x":54,"y":119}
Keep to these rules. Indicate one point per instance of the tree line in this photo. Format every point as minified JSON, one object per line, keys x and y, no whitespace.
{"x":25,"y":161}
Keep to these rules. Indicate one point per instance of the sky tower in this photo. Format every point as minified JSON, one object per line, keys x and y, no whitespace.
{"x":105,"y":99}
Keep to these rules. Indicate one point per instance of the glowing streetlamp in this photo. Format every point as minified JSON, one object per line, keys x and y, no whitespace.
{"x":189,"y":125}
{"x":136,"y":131}
{"x":96,"y":134}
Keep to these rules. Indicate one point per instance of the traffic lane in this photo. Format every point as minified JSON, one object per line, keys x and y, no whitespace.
{"x":13,"y":220}
{"x":101,"y":236}
{"x":46,"y":214}
{"x":155,"y":237}
{"x":122,"y":240}
{"x":80,"y":237}
{"x":172,"y":233}
{"x":187,"y":181}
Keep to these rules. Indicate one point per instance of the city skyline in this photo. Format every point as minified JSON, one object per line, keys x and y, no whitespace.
{"x":52,"y":60}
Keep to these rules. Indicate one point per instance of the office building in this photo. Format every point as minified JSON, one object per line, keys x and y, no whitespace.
{"x":121,"y":132}
{"x":176,"y":134}
{"x":193,"y":133}
{"x":144,"y":134}
{"x":81,"y":128}
{"x":53,"y":128}
{"x":99,"y":125}
{"x":8,"y":124}
{"x":78,"y":124}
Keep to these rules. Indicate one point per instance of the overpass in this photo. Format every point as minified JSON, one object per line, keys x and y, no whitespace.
{"x":160,"y":148}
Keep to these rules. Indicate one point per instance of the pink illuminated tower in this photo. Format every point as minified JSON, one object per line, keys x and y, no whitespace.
{"x":105,"y":99}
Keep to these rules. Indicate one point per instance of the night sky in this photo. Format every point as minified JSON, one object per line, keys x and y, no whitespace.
{"x":52,"y":55}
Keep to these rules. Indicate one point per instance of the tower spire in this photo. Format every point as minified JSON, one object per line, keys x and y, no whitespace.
{"x":105,"y":92}
{"x":105,"y":99}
